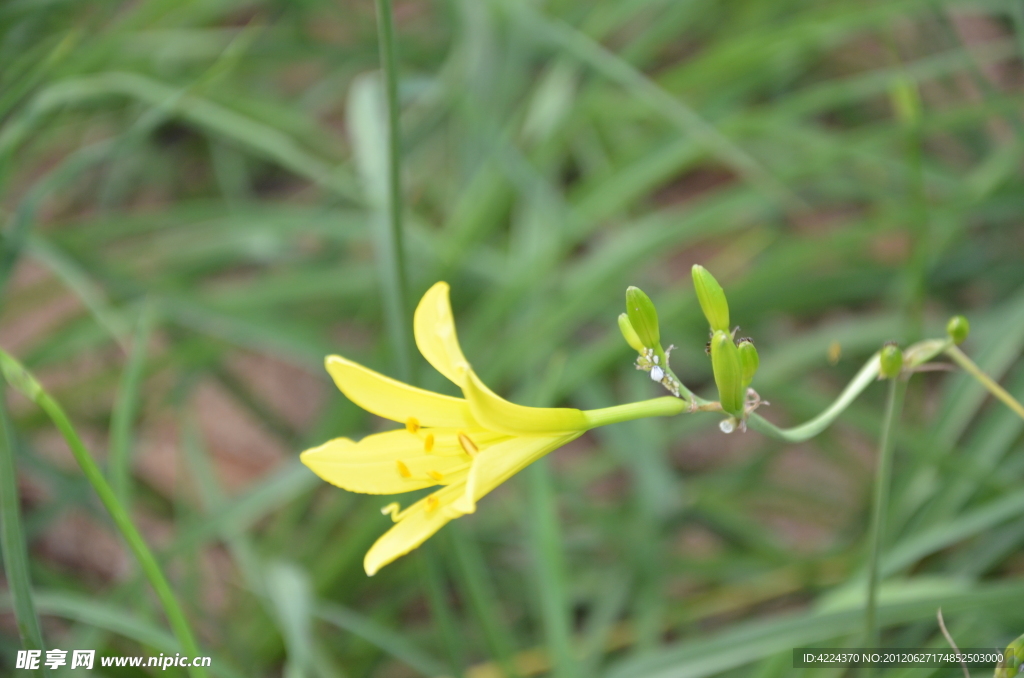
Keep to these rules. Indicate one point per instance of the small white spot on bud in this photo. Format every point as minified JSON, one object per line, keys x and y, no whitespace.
{"x":727,"y":426}
{"x":655,"y":360}
{"x":657,"y":374}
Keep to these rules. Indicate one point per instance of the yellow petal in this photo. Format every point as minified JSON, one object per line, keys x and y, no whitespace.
{"x":434,"y":329}
{"x":394,"y":400}
{"x":416,"y":525}
{"x":393,"y":462}
{"x":500,"y":462}
{"x":498,"y":414}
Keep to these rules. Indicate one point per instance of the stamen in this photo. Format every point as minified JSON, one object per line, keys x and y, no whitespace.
{"x":468,"y":445}
{"x":412,"y":425}
{"x":392,"y":510}
{"x":403,"y":470}
{"x":436,"y":475}
{"x":428,"y":443}
{"x":432,"y":503}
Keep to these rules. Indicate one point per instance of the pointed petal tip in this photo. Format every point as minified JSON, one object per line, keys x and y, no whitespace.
{"x":436,"y":338}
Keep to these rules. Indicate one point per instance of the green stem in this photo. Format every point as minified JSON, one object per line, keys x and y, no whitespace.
{"x":395,"y":250}
{"x":12,"y":540}
{"x":961,"y":359}
{"x":883,"y":482}
{"x":809,"y":429}
{"x":23,"y":381}
{"x":684,"y":392}
{"x":666,"y":406}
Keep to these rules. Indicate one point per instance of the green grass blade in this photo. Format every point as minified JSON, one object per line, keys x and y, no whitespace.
{"x":550,"y":570}
{"x":478,"y":589}
{"x":367,"y":108}
{"x":12,"y":539}
{"x":391,"y":642}
{"x":880,"y":506}
{"x":122,"y":419}
{"x":117,"y":620}
{"x":394,"y":251}
{"x":24,"y":382}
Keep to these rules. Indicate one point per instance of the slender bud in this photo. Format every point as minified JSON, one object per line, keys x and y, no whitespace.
{"x":891,"y":360}
{"x":712,"y":299}
{"x":958,"y":328}
{"x":749,"y":361}
{"x":643,"y":317}
{"x":629,"y":334}
{"x":725,"y":361}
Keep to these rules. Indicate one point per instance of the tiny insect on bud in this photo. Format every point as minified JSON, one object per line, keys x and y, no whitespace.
{"x":891,"y":359}
{"x":629,"y":334}
{"x":749,"y":361}
{"x":958,"y":328}
{"x":712,"y":299}
{"x":643,"y":317}
{"x":725,"y":362}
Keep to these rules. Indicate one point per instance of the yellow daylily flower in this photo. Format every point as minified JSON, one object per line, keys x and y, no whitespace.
{"x":465,"y":446}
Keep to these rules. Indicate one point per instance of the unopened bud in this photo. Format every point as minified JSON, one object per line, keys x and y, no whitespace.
{"x":958,"y":328}
{"x":712,"y":299}
{"x":891,"y":360}
{"x":629,"y":334}
{"x":725,"y":361}
{"x":643,"y":317}
{"x":749,"y":361}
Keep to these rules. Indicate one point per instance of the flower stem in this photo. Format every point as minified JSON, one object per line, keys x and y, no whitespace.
{"x":811,"y":428}
{"x":883,"y":482}
{"x":23,"y":381}
{"x":394,"y":245}
{"x":665,"y":406}
{"x":961,"y":359}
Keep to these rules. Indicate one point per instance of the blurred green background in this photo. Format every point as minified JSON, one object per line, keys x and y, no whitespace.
{"x":191,"y":198}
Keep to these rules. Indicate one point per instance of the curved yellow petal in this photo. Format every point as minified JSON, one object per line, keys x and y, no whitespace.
{"x":394,"y":400}
{"x":500,"y":462}
{"x":390,"y":463}
{"x":418,"y":523}
{"x":498,"y":414}
{"x":434,"y":329}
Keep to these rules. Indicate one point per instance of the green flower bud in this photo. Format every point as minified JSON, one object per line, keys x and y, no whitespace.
{"x":1013,"y":657}
{"x":629,"y":334}
{"x":712,"y":299}
{"x":958,"y":328}
{"x":749,"y":361}
{"x":643,"y":317}
{"x":891,"y":360}
{"x":725,"y":361}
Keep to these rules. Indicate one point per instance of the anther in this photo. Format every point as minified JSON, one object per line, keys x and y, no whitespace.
{"x":436,"y":475}
{"x":403,"y":470}
{"x":432,"y":503}
{"x":468,"y":445}
{"x":428,"y":443}
{"x":412,"y":425}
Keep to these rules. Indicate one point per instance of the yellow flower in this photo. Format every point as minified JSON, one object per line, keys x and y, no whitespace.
{"x":466,"y":446}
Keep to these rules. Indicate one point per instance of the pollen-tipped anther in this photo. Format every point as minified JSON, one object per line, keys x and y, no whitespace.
{"x":468,"y":445}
